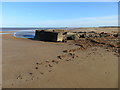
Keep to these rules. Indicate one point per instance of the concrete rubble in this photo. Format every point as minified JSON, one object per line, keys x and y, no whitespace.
{"x":82,"y":39}
{"x":64,"y":35}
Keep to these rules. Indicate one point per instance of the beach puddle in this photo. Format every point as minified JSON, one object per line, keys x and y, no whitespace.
{"x":24,"y":34}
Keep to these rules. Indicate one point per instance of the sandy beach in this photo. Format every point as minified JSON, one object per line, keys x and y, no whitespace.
{"x":29,"y":63}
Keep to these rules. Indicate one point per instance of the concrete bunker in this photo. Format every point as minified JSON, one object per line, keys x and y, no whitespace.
{"x":50,"y":35}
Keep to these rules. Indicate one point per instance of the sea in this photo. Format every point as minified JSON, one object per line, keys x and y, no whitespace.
{"x":19,"y":32}
{"x":23,"y":32}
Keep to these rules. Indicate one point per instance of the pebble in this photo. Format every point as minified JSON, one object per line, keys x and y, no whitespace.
{"x":50,"y":65}
{"x":30,"y":73}
{"x":37,"y":63}
{"x":53,"y":60}
{"x":62,"y":56}
{"x":65,"y":51}
{"x":36,"y":67}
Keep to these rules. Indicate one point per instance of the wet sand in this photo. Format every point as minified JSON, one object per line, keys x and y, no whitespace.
{"x":35,"y":64}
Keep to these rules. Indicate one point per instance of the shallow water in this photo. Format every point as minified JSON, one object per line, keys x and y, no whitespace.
{"x":24,"y":34}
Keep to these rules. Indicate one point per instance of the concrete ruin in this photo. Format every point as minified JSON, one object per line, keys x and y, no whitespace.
{"x":59,"y":35}
{"x":50,"y":35}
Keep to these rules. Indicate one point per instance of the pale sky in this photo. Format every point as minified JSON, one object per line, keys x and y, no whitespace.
{"x":59,"y":14}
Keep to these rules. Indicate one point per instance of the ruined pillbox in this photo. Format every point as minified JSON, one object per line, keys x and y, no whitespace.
{"x":50,"y":35}
{"x":59,"y":35}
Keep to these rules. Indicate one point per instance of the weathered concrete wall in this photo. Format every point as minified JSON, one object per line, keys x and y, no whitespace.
{"x":48,"y":35}
{"x":60,"y":37}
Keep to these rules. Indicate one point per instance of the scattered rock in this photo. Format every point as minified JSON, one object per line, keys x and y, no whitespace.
{"x":74,"y":55}
{"x":55,"y":61}
{"x":62,"y":56}
{"x":70,"y":54}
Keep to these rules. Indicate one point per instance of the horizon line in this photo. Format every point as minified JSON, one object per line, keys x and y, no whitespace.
{"x":58,"y":27}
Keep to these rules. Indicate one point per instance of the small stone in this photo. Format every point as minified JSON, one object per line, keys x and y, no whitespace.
{"x":62,"y":56}
{"x":70,"y":54}
{"x":36,"y":67}
{"x":73,"y":56}
{"x":59,"y":57}
{"x":50,"y":65}
{"x":30,"y":73}
{"x":65,"y":51}
{"x":37,"y":63}
{"x":76,"y":55}
{"x":53,"y":60}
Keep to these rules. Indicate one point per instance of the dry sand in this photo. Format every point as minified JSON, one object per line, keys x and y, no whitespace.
{"x":30,"y":64}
